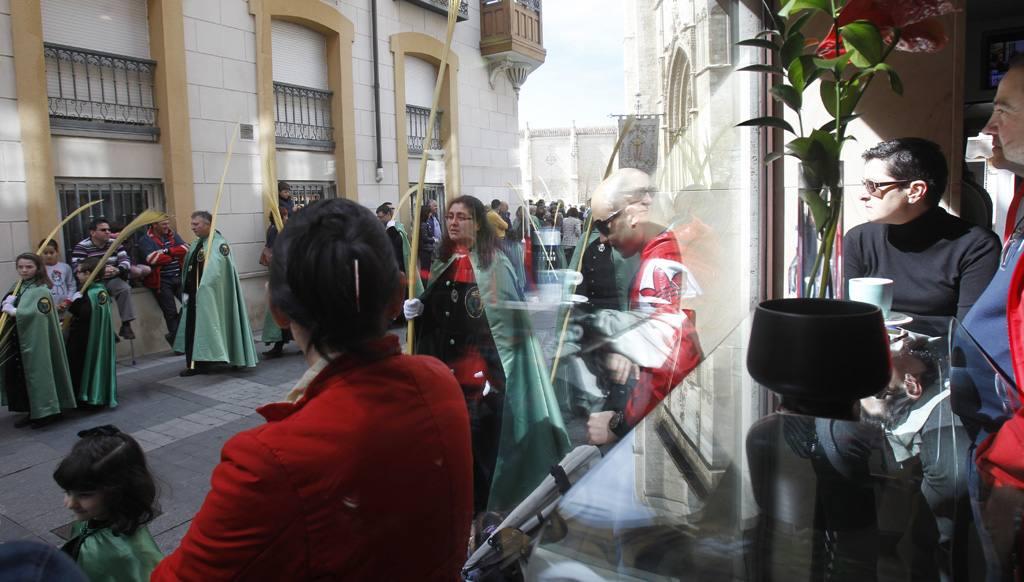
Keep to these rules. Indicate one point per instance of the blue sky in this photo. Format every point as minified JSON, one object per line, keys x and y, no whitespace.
{"x":581,"y":79}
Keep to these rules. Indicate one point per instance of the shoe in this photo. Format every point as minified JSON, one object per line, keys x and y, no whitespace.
{"x":275,"y":352}
{"x":46,"y":420}
{"x":126,"y":331}
{"x":23,"y":422}
{"x":190,"y":372}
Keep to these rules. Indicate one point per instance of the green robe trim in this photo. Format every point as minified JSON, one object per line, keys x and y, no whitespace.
{"x":43,"y":356}
{"x":106,"y":557}
{"x":533,"y":436}
{"x":99,"y":375}
{"x":222,"y":331}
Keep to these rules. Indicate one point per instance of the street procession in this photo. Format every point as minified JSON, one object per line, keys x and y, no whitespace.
{"x":511,"y":290}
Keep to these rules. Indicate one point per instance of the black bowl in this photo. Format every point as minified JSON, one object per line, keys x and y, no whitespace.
{"x":822,"y":350}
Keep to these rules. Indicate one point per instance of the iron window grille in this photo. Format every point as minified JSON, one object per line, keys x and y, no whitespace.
{"x":306,"y":193}
{"x":95,"y":92}
{"x":431,"y":191}
{"x":416,"y":119}
{"x":441,"y":7}
{"x":123,"y":200}
{"x":302,"y":117}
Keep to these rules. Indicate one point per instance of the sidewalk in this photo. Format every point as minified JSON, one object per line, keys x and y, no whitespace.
{"x":182,"y":423}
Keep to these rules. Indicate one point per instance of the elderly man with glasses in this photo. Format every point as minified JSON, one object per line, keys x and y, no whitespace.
{"x":651,"y":347}
{"x":939,"y":263}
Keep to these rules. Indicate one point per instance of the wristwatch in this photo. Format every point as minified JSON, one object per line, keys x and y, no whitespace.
{"x":617,"y":424}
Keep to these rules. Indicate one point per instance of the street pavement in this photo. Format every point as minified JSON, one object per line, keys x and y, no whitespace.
{"x":182,"y":423}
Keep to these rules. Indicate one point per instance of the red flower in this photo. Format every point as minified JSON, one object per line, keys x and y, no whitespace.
{"x":918,"y":21}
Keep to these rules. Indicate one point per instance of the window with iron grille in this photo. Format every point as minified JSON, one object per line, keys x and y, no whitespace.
{"x":431,"y":191}
{"x":92,"y":92}
{"x":123,"y":200}
{"x":306,"y":193}
{"x":302,"y":117}
{"x":416,"y":119}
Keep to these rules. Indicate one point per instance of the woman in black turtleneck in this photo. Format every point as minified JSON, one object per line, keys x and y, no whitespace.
{"x":939,"y":263}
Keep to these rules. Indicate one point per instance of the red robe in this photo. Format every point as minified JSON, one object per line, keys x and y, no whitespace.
{"x":671,"y":345}
{"x":366,"y":477}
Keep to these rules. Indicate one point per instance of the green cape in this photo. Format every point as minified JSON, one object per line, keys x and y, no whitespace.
{"x":533,"y":436}
{"x":406,"y":249}
{"x":43,"y":357}
{"x":99,"y":375}
{"x":222,"y":323}
{"x":106,"y":557}
{"x":271,"y":332}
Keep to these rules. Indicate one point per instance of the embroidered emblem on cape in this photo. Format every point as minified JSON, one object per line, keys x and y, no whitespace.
{"x":600,"y":248}
{"x":474,"y":303}
{"x":44,"y":305}
{"x":224,"y":249}
{"x":102,"y":297}
{"x":455,"y":295}
{"x":201,"y":256}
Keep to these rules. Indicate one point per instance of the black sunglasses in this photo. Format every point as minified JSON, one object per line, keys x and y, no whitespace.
{"x":605,"y":226}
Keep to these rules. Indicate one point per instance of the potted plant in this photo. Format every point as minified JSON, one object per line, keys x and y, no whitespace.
{"x":839,"y":68}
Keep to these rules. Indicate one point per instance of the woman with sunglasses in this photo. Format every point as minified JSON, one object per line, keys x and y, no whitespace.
{"x":465,"y":320}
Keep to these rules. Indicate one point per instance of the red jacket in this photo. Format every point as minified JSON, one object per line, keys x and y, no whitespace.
{"x":366,"y":477}
{"x":154,"y":245}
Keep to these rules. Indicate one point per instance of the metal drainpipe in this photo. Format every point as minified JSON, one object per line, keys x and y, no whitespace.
{"x":376,"y":91}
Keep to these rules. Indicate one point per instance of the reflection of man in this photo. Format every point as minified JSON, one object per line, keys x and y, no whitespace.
{"x":654,"y":343}
{"x":165,"y":252}
{"x":216,"y":322}
{"x":926,"y":438}
{"x":939,"y":263}
{"x":997,"y":323}
{"x":399,"y":239}
{"x":115,"y":273}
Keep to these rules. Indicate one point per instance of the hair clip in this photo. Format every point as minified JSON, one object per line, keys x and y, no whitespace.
{"x":356,"y":267}
{"x":105,"y":430}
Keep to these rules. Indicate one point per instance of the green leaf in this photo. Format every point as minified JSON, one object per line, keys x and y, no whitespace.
{"x":865,"y":39}
{"x":801,"y":71}
{"x":798,"y":24}
{"x":759,"y":43}
{"x":819,"y":208}
{"x":847,"y":98}
{"x":792,"y":48}
{"x":788,"y":95}
{"x":768,"y":121}
{"x":831,"y":125}
{"x":772,"y":157}
{"x":894,"y":79}
{"x":797,"y":5}
{"x":759,"y":68}
{"x":836,"y":64}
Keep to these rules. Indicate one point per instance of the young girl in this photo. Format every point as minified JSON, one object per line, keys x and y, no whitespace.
{"x":34,"y":374}
{"x":60,"y":275}
{"x":91,"y":351}
{"x":110,"y":490}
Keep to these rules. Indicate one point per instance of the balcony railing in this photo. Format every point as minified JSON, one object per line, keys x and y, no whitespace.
{"x":416,"y":119}
{"x":302,"y":117}
{"x":90,"y":91}
{"x":441,"y":7}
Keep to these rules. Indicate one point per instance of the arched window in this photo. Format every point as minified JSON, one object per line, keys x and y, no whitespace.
{"x":678,"y":93}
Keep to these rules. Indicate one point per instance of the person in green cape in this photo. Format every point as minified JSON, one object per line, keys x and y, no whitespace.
{"x":216,"y":322}
{"x":108,"y":486}
{"x":467,"y":322}
{"x":399,"y":241}
{"x":272,"y":333}
{"x":91,"y":351}
{"x":34,"y":375}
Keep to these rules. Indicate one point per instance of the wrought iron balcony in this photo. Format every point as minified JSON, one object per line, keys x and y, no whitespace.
{"x":416,"y":119}
{"x":441,"y":7}
{"x":302,"y":117}
{"x":95,"y":92}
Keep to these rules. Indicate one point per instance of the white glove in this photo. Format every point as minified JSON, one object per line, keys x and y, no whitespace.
{"x":10,"y":309}
{"x":184,"y":298}
{"x":76,"y":296}
{"x":412,"y":308}
{"x":9,"y":300}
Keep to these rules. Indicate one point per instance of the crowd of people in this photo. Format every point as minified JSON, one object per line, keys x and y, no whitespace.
{"x":474,"y":418}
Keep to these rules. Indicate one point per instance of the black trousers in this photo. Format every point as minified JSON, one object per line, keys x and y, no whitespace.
{"x":170,"y":289}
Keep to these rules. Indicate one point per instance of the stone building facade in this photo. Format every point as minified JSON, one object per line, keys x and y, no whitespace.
{"x":564,"y":163}
{"x":138,"y":102}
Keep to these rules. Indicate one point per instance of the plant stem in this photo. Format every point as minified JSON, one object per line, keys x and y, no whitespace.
{"x":825,"y":251}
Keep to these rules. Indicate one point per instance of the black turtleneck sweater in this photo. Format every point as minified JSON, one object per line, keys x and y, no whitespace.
{"x":939,"y":265}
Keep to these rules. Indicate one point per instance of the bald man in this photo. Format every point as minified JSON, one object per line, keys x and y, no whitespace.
{"x":654,"y":343}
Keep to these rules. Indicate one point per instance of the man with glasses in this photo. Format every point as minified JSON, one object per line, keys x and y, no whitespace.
{"x":655,"y":342}
{"x":939,"y":263}
{"x":115,"y":272}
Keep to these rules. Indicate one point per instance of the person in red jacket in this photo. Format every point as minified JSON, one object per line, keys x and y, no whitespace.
{"x":655,"y":343}
{"x":365,"y":472}
{"x":165,"y":252}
